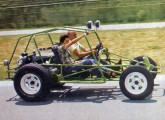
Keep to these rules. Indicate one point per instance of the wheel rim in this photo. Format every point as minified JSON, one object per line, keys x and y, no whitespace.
{"x":30,"y":83}
{"x":136,"y":83}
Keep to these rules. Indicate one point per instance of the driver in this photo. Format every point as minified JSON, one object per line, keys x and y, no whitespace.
{"x":76,"y":50}
{"x":79,"y":52}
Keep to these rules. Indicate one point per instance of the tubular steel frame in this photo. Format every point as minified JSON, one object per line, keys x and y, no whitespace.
{"x":92,"y":79}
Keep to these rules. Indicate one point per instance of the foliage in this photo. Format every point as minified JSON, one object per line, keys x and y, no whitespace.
{"x":41,"y":13}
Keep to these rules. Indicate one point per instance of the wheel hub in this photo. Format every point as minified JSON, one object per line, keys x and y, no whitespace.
{"x":30,"y":83}
{"x":136,"y":83}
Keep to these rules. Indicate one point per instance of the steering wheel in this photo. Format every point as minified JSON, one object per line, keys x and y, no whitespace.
{"x":98,"y":47}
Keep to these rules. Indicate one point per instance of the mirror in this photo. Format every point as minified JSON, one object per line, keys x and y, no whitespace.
{"x":89,"y":24}
{"x":6,"y":62}
{"x":97,"y":23}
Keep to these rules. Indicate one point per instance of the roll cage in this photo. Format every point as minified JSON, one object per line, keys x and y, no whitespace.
{"x":68,"y":78}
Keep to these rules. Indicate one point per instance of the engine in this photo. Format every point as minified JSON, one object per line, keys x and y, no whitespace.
{"x":24,"y":59}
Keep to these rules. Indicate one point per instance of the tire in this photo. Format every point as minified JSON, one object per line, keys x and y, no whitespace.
{"x":140,"y":59}
{"x":32,"y":82}
{"x":136,"y":82}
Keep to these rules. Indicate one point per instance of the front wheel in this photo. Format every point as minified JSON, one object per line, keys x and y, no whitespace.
{"x":32,"y":82}
{"x":136,"y":83}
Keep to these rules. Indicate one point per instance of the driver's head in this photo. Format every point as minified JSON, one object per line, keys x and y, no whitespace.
{"x":72,"y":35}
{"x":64,"y":39}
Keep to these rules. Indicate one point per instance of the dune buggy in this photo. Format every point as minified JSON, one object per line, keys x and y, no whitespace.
{"x":36,"y":74}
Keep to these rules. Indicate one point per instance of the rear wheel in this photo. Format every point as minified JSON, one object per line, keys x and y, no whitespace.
{"x":136,"y":83}
{"x":140,"y":59}
{"x":32,"y":82}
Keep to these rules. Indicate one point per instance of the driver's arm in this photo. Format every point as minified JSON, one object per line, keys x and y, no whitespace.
{"x":74,"y":41}
{"x":83,"y":49}
{"x":83,"y":54}
{"x":92,"y":49}
{"x":86,"y":50}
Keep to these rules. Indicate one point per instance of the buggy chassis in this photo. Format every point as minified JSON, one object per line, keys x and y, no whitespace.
{"x":143,"y":69}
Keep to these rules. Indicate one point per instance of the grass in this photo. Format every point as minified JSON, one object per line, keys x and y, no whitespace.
{"x":130,"y":43}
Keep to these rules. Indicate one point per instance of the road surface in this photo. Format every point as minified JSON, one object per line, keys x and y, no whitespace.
{"x":84,"y":102}
{"x":102,"y":27}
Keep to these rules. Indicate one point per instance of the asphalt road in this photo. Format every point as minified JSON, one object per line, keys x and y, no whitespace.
{"x":102,"y":27}
{"x":84,"y":102}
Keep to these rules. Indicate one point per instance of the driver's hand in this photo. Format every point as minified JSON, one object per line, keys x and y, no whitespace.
{"x":87,"y":33}
{"x":95,"y":51}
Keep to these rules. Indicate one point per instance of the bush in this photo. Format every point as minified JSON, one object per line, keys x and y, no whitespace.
{"x":141,"y":15}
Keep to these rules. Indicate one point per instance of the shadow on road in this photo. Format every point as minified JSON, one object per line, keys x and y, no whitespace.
{"x":21,"y":102}
{"x":87,"y":94}
{"x":96,"y":94}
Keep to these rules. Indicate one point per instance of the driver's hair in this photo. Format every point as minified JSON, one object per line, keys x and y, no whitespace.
{"x":69,"y":33}
{"x":63,"y":37}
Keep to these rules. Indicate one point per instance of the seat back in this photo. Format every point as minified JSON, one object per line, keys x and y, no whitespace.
{"x":56,"y":58}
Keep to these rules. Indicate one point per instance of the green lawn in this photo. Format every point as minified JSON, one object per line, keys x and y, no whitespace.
{"x":130,"y":43}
